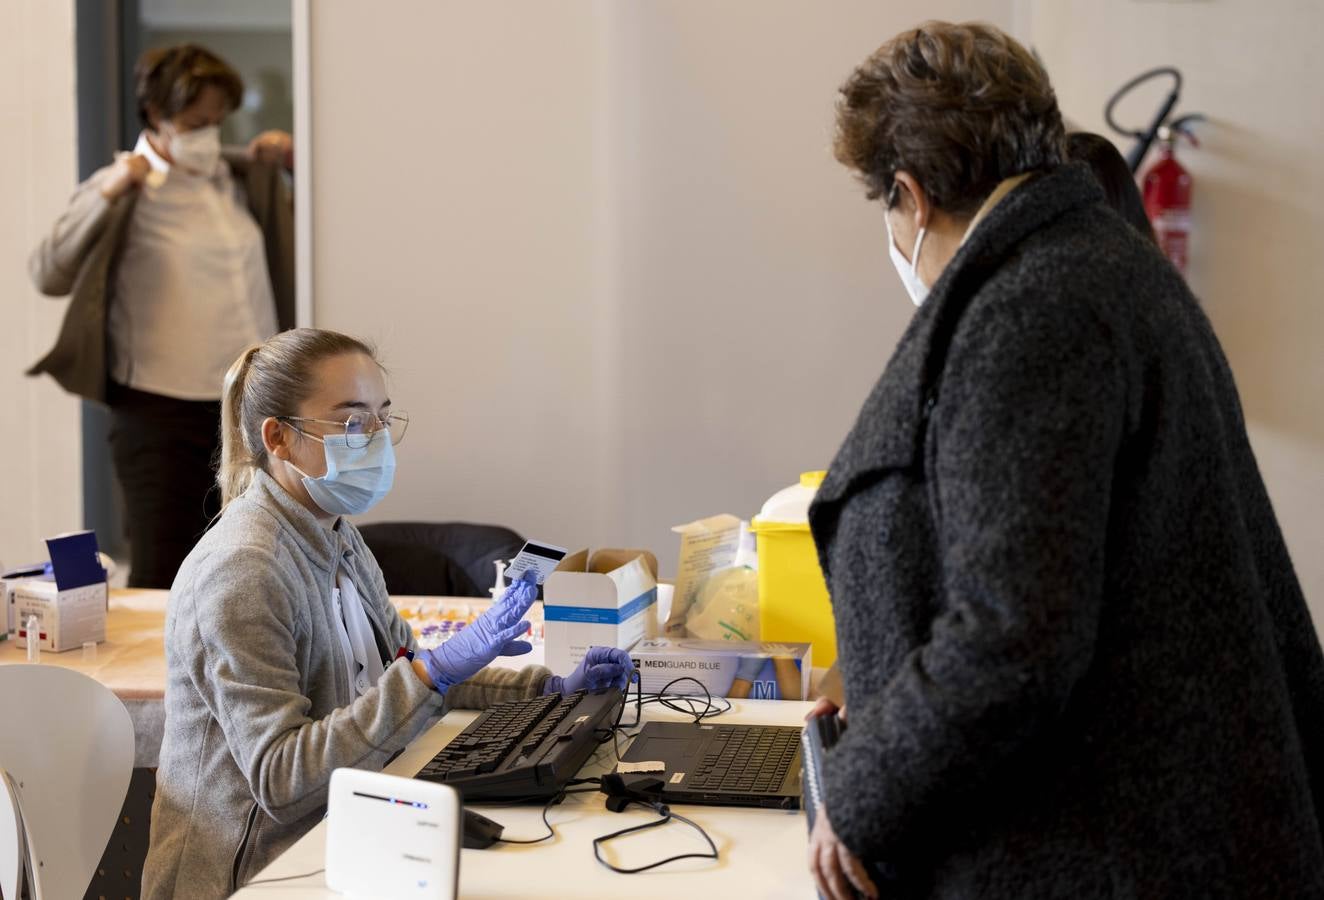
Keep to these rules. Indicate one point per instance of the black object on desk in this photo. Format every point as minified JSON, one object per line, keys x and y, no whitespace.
{"x":480,"y":832}
{"x":718,"y":765}
{"x":525,"y":750}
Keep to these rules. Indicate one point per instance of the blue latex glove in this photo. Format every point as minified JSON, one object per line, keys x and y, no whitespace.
{"x":490,"y":635}
{"x":601,"y":667}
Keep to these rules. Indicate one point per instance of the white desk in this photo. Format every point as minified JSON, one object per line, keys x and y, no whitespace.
{"x":762,"y":852}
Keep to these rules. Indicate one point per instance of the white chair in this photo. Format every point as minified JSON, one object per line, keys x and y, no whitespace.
{"x":13,"y":851}
{"x":67,"y":744}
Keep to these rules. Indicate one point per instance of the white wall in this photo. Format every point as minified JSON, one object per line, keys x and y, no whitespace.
{"x":750,"y":271}
{"x":40,"y":488}
{"x":456,"y":151}
{"x":1255,"y":69}
{"x":618,"y":276}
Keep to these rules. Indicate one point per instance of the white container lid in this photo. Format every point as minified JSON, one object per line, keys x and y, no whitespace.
{"x":791,"y":505}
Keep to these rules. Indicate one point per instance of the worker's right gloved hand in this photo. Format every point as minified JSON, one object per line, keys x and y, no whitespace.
{"x":494,"y":633}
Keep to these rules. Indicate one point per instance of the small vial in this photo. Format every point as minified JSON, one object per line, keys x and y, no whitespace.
{"x":89,"y":651}
{"x":34,"y":639}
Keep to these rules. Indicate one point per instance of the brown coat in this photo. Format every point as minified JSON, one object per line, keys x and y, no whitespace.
{"x":78,"y":259}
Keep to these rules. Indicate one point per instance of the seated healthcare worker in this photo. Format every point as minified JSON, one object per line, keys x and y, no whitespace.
{"x":280,"y":638}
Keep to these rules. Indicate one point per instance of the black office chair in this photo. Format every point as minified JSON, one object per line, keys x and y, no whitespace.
{"x":450,"y":559}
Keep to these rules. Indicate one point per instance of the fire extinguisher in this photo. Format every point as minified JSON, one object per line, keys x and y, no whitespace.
{"x":1166,"y":186}
{"x":1166,"y":189}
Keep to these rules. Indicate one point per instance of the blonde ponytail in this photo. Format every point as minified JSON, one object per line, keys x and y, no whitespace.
{"x":269,"y":380}
{"x":238,"y":462}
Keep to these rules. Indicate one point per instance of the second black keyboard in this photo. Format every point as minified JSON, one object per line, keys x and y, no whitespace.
{"x":525,"y":749}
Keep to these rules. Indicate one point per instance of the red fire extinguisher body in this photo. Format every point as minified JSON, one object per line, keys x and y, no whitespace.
{"x":1166,"y":189}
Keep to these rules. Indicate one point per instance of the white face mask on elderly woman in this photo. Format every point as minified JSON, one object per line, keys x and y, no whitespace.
{"x":916,"y":288}
{"x":198,"y":150}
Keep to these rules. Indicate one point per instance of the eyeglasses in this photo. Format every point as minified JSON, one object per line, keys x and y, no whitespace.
{"x":360,"y":428}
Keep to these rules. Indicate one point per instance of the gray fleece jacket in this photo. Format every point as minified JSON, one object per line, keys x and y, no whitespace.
{"x":258,"y":702}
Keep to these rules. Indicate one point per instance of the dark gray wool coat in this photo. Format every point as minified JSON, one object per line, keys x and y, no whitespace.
{"x":1077,"y":660}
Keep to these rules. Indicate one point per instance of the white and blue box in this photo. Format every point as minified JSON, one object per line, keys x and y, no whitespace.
{"x":607,"y":600}
{"x":737,"y":669}
{"x":70,"y":608}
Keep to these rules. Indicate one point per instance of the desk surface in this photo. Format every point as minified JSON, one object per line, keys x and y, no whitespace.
{"x":131,"y":660}
{"x":762,"y":851}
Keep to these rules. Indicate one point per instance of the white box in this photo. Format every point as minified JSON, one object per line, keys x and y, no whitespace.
{"x":8,"y":595}
{"x":738,"y":669}
{"x":607,"y":601}
{"x":388,"y":836}
{"x":68,"y":618}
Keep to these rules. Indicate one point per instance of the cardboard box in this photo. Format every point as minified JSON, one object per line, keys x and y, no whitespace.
{"x":609,"y":600}
{"x":68,"y":618}
{"x":71,"y":608}
{"x":738,"y":669}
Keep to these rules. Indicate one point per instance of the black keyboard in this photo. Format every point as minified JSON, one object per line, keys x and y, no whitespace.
{"x":745,"y":759}
{"x":525,"y":749}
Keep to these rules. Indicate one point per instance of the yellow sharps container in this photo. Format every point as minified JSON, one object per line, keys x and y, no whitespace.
{"x":793,"y":598}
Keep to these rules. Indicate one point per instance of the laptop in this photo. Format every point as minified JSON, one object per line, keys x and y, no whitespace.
{"x":715,"y":764}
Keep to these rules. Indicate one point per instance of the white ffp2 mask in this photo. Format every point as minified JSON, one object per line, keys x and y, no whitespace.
{"x":198,"y":150}
{"x":908,"y":272}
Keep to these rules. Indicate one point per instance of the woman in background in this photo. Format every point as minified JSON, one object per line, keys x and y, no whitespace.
{"x":176,"y":260}
{"x":1110,"y":170}
{"x":281,"y":642}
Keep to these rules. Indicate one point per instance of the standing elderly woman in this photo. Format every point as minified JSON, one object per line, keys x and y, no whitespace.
{"x":177,"y":258}
{"x":1076,"y":658}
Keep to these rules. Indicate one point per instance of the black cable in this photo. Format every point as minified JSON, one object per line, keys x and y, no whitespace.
{"x":638,"y":702}
{"x":666,"y":815}
{"x":616,"y":730}
{"x":1144,"y":138}
{"x":285,"y":878}
{"x":710,"y":708}
{"x":687,"y":704}
{"x":1131,"y":85}
{"x":555,"y":798}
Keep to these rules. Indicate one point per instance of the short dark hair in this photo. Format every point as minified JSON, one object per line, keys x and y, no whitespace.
{"x":168,"y":79}
{"x":1113,"y":175}
{"x":959,"y":107}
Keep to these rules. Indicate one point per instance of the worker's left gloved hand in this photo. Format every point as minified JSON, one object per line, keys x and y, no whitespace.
{"x":602,"y":667}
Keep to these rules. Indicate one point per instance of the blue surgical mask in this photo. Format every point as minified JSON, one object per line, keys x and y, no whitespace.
{"x":356,"y":478}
